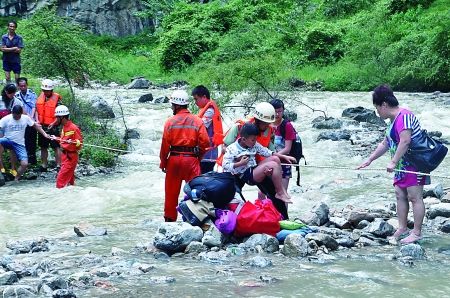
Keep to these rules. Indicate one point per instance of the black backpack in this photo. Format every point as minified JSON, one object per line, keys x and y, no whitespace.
{"x":214,"y":187}
{"x":296,"y":149}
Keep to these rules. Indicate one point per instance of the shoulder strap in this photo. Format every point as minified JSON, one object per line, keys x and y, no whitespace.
{"x":283,"y":128}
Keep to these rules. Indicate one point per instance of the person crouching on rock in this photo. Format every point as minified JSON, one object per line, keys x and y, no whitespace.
{"x":239,"y":160}
{"x":71,"y":141}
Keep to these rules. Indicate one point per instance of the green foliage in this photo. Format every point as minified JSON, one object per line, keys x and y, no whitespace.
{"x":323,"y":44}
{"x":396,"y":6}
{"x":339,"y":8}
{"x":58,"y":48}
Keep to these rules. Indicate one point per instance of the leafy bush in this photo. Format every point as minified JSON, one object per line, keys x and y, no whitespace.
{"x":339,"y":8}
{"x":396,"y":6}
{"x":323,"y":44}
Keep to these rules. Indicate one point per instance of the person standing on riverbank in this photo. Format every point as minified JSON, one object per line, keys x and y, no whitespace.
{"x":210,"y":115}
{"x":28,"y":99}
{"x":12,"y":45}
{"x":70,"y":141}
{"x":184,"y":143}
{"x":45,"y":108}
{"x":13,"y":126}
{"x":404,"y":127}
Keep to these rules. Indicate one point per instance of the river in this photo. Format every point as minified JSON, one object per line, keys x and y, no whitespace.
{"x":129,"y":204}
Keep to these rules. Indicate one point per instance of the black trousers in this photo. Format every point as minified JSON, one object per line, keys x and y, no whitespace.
{"x":31,"y":144}
{"x":267,"y":187}
{"x":207,"y":166}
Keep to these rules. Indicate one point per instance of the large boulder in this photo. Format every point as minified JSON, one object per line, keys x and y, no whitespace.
{"x":101,"y":108}
{"x":436,"y":210}
{"x":295,"y":246}
{"x":329,"y":123}
{"x":334,"y":135}
{"x":174,"y":237}
{"x":381,"y":228}
{"x":146,"y":98}
{"x":361,"y":114}
{"x":139,"y":83}
{"x":268,"y":243}
{"x":318,"y":215}
{"x":323,"y":239}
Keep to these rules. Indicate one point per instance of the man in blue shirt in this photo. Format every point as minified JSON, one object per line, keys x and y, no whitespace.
{"x":28,"y":99}
{"x":12,"y":45}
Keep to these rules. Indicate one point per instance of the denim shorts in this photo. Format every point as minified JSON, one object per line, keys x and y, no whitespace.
{"x":20,"y":150}
{"x":286,"y":171}
{"x":12,"y":66}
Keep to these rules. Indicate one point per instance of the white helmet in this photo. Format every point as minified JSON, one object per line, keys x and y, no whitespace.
{"x":61,"y":110}
{"x":47,"y":84}
{"x":265,"y":112}
{"x":179,"y":97}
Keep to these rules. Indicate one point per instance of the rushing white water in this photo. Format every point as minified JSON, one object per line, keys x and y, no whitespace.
{"x":122,"y":201}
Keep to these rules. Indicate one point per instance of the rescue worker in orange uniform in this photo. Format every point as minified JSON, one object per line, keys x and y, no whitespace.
{"x":46,"y":105}
{"x":210,"y":115}
{"x":71,"y":141}
{"x":184,"y":142}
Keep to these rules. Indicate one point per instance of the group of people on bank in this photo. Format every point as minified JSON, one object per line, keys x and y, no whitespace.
{"x":254,"y":148}
{"x":22,"y":116}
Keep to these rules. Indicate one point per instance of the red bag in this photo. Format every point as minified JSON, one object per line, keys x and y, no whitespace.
{"x":3,"y":113}
{"x":259,"y":218}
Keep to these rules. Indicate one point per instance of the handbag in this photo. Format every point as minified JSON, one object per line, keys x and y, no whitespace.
{"x":260,"y":217}
{"x":425,"y":153}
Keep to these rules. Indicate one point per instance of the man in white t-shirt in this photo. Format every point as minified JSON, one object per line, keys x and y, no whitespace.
{"x":12,"y":130}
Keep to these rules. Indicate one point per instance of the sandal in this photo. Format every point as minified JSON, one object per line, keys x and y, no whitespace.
{"x":399,"y":234}
{"x":411,"y":238}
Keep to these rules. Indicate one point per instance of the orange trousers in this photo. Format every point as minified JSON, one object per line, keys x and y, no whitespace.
{"x":178,"y":168}
{"x":66,"y":175}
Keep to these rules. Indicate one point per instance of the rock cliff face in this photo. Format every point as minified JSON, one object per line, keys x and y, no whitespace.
{"x":113,"y":17}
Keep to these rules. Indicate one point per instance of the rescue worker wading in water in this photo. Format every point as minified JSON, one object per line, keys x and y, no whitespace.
{"x":71,"y":141}
{"x":184,"y":142}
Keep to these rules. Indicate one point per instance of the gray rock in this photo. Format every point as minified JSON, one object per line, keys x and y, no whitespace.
{"x":101,"y":108}
{"x":213,"y":237}
{"x":146,"y":98}
{"x":267,"y":242}
{"x":115,"y":251}
{"x":363,"y":224}
{"x":381,"y":228}
{"x":2,"y":180}
{"x":290,"y":115}
{"x":27,"y":246}
{"x":216,"y":257}
{"x":334,"y":135}
{"x":258,"y":261}
{"x":160,"y":255}
{"x":345,"y":241}
{"x":139,"y":83}
{"x":64,"y":293}
{"x":161,"y":99}
{"x":8,"y":278}
{"x":175,"y":236}
{"x":132,"y":134}
{"x":195,"y":248}
{"x":442,"y":209}
{"x":445,"y":227}
{"x":358,"y":215}
{"x":19,"y":291}
{"x":329,"y":123}
{"x":162,"y":279}
{"x":414,"y":251}
{"x":54,"y":282}
{"x":339,"y":222}
{"x":446,"y":198}
{"x":295,"y":246}
{"x":86,"y":229}
{"x":361,"y":114}
{"x":364,"y":241}
{"x":433,"y":190}
{"x":323,"y":239}
{"x":81,"y":278}
{"x":318,"y":215}
{"x":20,"y":269}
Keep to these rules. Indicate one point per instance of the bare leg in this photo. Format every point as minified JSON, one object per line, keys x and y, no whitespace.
{"x":13,"y":160}
{"x":58,"y":156}
{"x":415,"y":196}
{"x":285,"y":182}
{"x":402,"y":210}
{"x":16,"y":76}
{"x":1,"y":157}
{"x":272,"y":168}
{"x":7,"y":77}
{"x":44,"y":157}
{"x":22,"y":168}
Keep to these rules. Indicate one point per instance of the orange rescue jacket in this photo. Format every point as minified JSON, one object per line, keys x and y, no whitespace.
{"x":71,"y":132}
{"x":46,"y":108}
{"x":217,"y":122}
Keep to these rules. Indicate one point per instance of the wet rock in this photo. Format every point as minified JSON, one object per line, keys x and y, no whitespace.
{"x":100,"y":108}
{"x":162,"y":279}
{"x":19,"y":291}
{"x":90,"y":260}
{"x":361,"y":114}
{"x":20,"y":269}
{"x":64,"y":293}
{"x":345,"y":241}
{"x":145,"y":268}
{"x":364,"y":241}
{"x":329,"y":123}
{"x":2,"y":180}
{"x":174,"y":237}
{"x":213,"y":237}
{"x":363,"y":224}
{"x":296,"y":83}
{"x":86,"y":229}
{"x":334,"y":135}
{"x":268,"y":243}
{"x":8,"y":278}
{"x":54,"y":282}
{"x":160,"y":255}
{"x":195,"y":248}
{"x":428,"y":201}
{"x":433,"y":190}
{"x":358,"y":215}
{"x":146,"y":98}
{"x":132,"y":134}
{"x":161,"y":99}
{"x":446,"y":198}
{"x":115,"y":251}
{"x":27,"y":246}
{"x":339,"y":222}
{"x":81,"y":279}
{"x":442,"y":209}
{"x":258,"y":261}
{"x":318,"y":215}
{"x":295,"y":246}
{"x":215,"y":256}
{"x":290,"y":115}
{"x":414,"y":251}
{"x":139,"y":83}
{"x":445,"y":227}
{"x":381,"y":228}
{"x":323,"y":239}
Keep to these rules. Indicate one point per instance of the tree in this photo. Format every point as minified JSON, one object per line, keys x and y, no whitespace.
{"x":55,"y":47}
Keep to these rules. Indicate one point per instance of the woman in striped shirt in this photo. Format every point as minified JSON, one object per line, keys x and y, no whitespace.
{"x":403,"y":128}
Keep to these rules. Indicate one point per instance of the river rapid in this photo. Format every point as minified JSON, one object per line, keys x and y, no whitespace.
{"x":129,"y":204}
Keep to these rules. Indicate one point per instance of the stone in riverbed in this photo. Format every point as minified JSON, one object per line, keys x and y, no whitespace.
{"x":442,"y":209}
{"x":174,"y":237}
{"x":412,"y":250}
{"x":63,"y":293}
{"x":85,"y":229}
{"x":329,"y":123}
{"x":445,"y":227}
{"x":8,"y":278}
{"x":356,"y":216}
{"x":318,"y":215}
{"x":146,"y":98}
{"x":139,"y":83}
{"x":295,"y":246}
{"x":433,"y":190}
{"x":381,"y":228}
{"x":19,"y":291}
{"x":268,"y":243}
{"x":27,"y":246}
{"x":323,"y":239}
{"x":258,"y":261}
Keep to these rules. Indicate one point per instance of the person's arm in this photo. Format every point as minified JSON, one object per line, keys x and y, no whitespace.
{"x":40,"y":130}
{"x":403,"y":145}
{"x":165,"y":148}
{"x":381,"y":149}
{"x":231,"y":136}
{"x":207,"y":117}
{"x":203,"y":140}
